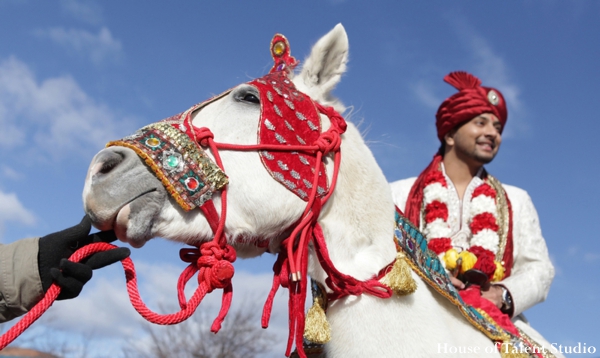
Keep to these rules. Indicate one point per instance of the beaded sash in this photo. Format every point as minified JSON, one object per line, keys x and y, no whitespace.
{"x":427,"y":265}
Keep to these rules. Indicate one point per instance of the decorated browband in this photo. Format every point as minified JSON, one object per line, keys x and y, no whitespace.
{"x":185,"y":170}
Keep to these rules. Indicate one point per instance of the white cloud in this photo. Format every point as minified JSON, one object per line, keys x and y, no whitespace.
{"x":425,"y":92}
{"x":100,"y":48}
{"x":592,"y":257}
{"x":11,"y":209}
{"x":54,"y":113}
{"x":493,"y":71}
{"x":10,"y":173}
{"x":86,"y":11}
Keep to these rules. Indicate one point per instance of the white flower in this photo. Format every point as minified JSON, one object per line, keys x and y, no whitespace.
{"x":486,"y":238}
{"x":438,"y":228}
{"x":482,"y":204}
{"x":435,"y":191}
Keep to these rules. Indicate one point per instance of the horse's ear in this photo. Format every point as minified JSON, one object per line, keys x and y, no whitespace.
{"x":324,"y":67}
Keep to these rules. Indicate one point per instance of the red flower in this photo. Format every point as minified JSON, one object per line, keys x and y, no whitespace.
{"x":483,"y":221}
{"x":485,"y":189}
{"x":485,"y":260}
{"x":485,"y":265}
{"x":436,"y":210}
{"x":479,"y":251}
{"x":439,"y":245}
{"x":435,"y":176}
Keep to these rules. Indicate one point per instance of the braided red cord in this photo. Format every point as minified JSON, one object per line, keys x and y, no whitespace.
{"x":215,"y":269}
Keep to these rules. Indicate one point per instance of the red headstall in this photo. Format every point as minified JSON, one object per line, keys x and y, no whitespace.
{"x":292,"y":148}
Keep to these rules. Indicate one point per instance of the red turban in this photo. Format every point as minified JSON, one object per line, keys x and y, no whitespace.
{"x":471,"y":101}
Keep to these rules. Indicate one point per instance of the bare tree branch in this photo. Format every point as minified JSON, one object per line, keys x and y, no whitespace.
{"x":240,"y":336}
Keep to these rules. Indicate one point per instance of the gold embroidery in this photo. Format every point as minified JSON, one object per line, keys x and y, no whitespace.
{"x":537,"y":348}
{"x":502,"y":216}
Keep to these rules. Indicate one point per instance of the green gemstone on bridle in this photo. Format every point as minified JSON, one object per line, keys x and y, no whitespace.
{"x":172,"y":161}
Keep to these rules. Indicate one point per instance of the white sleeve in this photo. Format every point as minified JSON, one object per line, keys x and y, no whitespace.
{"x":532,"y":270}
{"x":400,"y":191}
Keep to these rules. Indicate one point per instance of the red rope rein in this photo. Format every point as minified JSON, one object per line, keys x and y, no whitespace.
{"x":212,"y":263}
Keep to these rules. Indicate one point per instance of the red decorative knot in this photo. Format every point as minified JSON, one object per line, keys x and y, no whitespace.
{"x":329,"y":141}
{"x":213,"y":263}
{"x":203,"y":135}
{"x":337,"y":121}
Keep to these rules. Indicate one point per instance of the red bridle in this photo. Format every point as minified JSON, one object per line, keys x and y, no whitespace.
{"x":290,"y":269}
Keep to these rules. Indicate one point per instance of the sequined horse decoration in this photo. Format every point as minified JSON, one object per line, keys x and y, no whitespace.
{"x":278,"y":200}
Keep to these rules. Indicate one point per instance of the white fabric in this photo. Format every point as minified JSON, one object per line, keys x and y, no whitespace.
{"x":532,"y":271}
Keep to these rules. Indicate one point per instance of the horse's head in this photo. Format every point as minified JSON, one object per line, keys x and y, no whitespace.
{"x":153,"y":182}
{"x":257,"y":168}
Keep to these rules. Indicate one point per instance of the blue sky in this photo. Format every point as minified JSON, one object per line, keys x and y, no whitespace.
{"x":76,"y":74}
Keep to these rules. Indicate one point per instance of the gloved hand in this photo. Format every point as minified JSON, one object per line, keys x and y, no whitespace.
{"x":54,"y":249}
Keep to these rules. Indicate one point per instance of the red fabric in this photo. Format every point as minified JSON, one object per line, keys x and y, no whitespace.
{"x":472,"y":297}
{"x":415,"y":197}
{"x":289,"y":117}
{"x":440,"y":245}
{"x":508,"y":249}
{"x":471,"y":101}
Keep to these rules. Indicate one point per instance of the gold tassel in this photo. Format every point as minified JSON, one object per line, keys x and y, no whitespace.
{"x":316,"y":327}
{"x":508,"y":350}
{"x":399,"y":278}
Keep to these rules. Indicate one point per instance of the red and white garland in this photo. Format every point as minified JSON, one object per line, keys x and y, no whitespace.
{"x":482,"y":221}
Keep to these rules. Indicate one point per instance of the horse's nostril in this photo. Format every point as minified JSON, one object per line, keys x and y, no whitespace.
{"x":109,"y":160}
{"x":107,"y":167}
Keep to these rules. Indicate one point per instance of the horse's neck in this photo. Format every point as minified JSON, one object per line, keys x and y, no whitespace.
{"x":358,"y":220}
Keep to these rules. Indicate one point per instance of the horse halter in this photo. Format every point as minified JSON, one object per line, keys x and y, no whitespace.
{"x":292,"y":147}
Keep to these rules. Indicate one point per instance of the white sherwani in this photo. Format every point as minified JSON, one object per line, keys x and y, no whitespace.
{"x":532,"y":271}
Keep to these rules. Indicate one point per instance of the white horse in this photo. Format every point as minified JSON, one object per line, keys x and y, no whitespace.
{"x":121,"y":193}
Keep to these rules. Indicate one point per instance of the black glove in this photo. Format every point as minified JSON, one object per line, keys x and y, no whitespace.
{"x":54,"y":249}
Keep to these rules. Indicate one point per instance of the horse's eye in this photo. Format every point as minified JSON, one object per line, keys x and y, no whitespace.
{"x":249,"y":97}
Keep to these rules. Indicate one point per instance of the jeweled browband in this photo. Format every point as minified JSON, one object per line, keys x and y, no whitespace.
{"x":187,"y":173}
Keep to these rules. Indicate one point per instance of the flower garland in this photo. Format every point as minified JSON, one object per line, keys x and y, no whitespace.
{"x":482,"y":222}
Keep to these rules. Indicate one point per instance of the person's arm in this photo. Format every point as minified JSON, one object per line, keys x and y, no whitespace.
{"x":29,"y":267}
{"x":532,"y":271}
{"x":20,"y":284}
